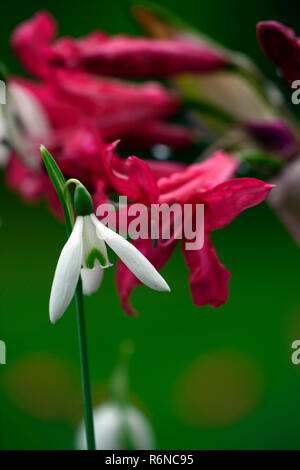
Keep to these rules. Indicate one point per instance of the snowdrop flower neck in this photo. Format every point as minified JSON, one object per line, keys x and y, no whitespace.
{"x":85,"y":254}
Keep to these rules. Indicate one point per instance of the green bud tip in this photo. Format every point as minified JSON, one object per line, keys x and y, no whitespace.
{"x":82,"y":201}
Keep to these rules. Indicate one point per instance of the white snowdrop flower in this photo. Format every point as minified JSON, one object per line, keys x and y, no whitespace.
{"x":91,"y":278}
{"x":115,"y":426}
{"x":85,"y":253}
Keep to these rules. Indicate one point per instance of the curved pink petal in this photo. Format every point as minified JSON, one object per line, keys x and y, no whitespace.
{"x":142,"y":177}
{"x":30,"y":41}
{"x":126,"y":280}
{"x":131,"y":177}
{"x":79,"y":154}
{"x":117,"y":108}
{"x":282,"y":46}
{"x":208,"y":277}
{"x":225,"y":201}
{"x":123,"y":56}
{"x":61,"y":111}
{"x":197,"y":178}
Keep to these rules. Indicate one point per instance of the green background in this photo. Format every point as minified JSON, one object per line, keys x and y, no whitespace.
{"x":206,"y":378}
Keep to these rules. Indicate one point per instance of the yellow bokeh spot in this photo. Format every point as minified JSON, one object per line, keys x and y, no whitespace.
{"x":41,"y":385}
{"x":218,"y":389}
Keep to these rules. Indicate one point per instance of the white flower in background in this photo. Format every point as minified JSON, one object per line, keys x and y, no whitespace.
{"x":286,"y":198}
{"x":26,"y":123}
{"x":115,"y":425}
{"x":86,"y":248}
{"x":4,"y":144}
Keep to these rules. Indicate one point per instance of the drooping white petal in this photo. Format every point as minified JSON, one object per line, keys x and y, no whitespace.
{"x":67,"y":273}
{"x":92,"y":245}
{"x":133,"y":258}
{"x":91,"y":279}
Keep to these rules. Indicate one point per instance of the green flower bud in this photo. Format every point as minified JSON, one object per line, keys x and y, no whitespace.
{"x":82,"y":201}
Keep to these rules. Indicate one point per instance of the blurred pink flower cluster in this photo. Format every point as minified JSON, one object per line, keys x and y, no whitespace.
{"x":79,"y":102}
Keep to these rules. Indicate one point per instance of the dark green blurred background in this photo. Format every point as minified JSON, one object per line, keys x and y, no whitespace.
{"x":206,"y":378}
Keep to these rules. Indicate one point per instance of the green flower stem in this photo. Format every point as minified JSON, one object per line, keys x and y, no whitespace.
{"x":85,"y":374}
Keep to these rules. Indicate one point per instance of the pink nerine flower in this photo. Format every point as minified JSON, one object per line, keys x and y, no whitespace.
{"x":282,"y":46}
{"x":118,"y":56}
{"x":205,"y":183}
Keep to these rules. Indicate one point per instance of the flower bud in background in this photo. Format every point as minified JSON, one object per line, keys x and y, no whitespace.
{"x":118,"y":428}
{"x":282,"y":46}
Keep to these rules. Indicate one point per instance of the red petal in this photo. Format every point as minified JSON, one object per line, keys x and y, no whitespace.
{"x":142,"y":177}
{"x":208,"y":277}
{"x":197,"y":178}
{"x":137,"y":57}
{"x":30,"y":41}
{"x":131,"y":177}
{"x":228,"y":199}
{"x":61,"y":111}
{"x":117,"y":108}
{"x":79,"y":155}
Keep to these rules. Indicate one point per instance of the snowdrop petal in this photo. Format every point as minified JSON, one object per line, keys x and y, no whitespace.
{"x":133,"y":258}
{"x":91,"y":279}
{"x":94,"y":249}
{"x":67,"y":273}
